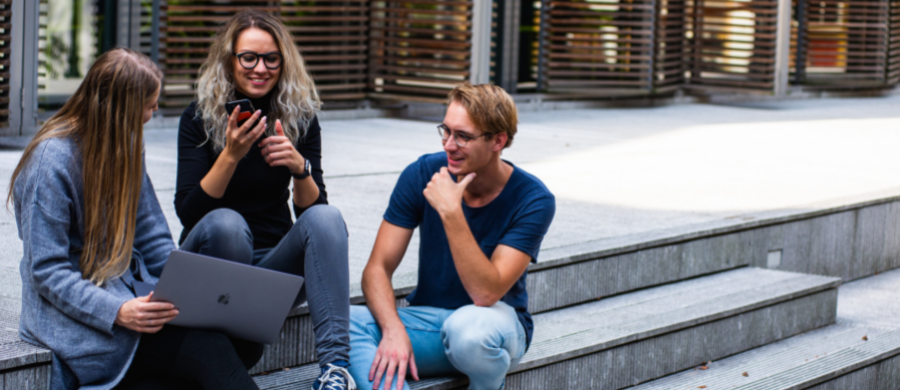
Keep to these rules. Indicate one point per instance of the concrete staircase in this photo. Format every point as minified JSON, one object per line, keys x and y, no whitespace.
{"x":840,"y":356}
{"x":643,"y":335}
{"x":861,"y":351}
{"x":643,"y":310}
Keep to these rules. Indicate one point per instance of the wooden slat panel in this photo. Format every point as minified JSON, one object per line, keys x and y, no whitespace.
{"x":419,"y":48}
{"x":843,"y":41}
{"x":331,"y":35}
{"x":603,"y":47}
{"x":731,"y":43}
{"x":339,"y":69}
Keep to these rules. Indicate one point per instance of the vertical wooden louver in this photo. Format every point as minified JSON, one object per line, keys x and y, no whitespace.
{"x":732,"y":43}
{"x":419,"y":49}
{"x":331,"y":36}
{"x":893,"y":42}
{"x":145,"y":27}
{"x":5,"y":41}
{"x":668,"y":63}
{"x":600,"y":47}
{"x":842,"y":42}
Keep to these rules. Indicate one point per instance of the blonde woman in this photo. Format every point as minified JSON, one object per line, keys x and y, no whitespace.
{"x":91,"y":224}
{"x":235,"y":177}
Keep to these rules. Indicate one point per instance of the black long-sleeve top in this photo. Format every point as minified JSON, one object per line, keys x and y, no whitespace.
{"x":257,"y":191}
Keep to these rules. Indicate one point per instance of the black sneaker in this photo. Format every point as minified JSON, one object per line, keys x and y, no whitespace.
{"x":334,"y":378}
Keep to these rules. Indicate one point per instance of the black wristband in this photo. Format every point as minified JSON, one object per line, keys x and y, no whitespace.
{"x":305,"y":174}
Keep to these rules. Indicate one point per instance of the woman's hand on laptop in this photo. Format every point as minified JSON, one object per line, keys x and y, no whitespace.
{"x":141,"y":315}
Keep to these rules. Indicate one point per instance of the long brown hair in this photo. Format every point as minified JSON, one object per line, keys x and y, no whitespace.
{"x":294,"y":98}
{"x":105,"y":119}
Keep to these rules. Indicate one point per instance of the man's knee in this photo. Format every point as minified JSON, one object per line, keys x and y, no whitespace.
{"x":474,"y":320}
{"x":472,"y":334}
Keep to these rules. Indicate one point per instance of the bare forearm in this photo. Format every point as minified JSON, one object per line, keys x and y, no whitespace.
{"x":380,"y":298}
{"x":216,"y":181}
{"x":478,"y":274}
{"x":305,"y":192}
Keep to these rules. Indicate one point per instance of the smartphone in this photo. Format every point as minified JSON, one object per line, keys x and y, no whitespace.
{"x":247,"y":109}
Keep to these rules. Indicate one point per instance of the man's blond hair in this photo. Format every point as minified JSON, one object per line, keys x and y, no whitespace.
{"x":490,"y":108}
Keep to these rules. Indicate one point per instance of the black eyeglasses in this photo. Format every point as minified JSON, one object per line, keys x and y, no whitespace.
{"x":460,"y":138}
{"x":249,"y":59}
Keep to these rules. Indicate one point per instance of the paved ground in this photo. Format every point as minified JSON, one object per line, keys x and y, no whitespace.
{"x":615,"y":172}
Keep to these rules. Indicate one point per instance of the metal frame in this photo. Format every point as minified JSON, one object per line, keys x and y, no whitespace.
{"x":782,"y":48}
{"x":651,"y":74}
{"x":154,"y":33}
{"x":480,"y":72}
{"x":542,"y":42}
{"x":800,"y":49}
{"x":507,"y":45}
{"x":15,"y":71}
{"x":128,"y":25}
{"x":23,"y":69}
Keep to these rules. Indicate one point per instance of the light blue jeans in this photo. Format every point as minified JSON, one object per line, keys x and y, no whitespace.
{"x":483,"y":343}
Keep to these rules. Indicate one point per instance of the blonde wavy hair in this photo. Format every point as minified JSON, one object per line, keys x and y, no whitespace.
{"x":105,"y":118}
{"x":295,"y":99}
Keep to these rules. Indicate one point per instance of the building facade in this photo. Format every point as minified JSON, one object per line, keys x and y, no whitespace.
{"x":365,"y":52}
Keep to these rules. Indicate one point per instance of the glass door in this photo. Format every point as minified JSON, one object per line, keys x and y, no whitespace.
{"x":69,"y":39}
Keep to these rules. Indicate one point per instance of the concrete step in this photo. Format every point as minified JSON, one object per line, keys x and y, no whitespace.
{"x":643,"y":335}
{"x":842,"y":356}
{"x":22,"y":365}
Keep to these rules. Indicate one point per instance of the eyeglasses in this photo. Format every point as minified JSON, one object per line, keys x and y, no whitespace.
{"x":461,"y":139}
{"x":249,"y":59}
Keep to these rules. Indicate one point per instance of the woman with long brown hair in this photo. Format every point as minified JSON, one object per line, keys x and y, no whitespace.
{"x":234,"y":178}
{"x":91,"y":225}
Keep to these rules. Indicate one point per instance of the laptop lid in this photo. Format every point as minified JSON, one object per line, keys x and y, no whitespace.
{"x":239,"y":300}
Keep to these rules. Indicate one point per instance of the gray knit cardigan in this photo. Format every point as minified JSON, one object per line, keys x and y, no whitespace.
{"x":61,"y":311}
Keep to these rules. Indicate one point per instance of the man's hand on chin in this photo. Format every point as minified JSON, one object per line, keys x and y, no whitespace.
{"x":444,"y":194}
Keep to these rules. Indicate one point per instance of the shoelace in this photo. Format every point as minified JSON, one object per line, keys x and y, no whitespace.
{"x":336,"y":382}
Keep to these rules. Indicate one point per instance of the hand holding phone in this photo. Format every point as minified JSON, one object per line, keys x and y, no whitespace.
{"x":240,"y":138}
{"x":246,"y":108}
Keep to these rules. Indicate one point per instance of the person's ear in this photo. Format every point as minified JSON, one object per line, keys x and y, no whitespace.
{"x":500,"y":141}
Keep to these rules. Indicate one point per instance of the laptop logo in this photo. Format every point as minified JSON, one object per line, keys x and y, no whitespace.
{"x":223,"y":299}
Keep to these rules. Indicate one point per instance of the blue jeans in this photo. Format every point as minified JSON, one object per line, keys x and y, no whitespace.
{"x":483,"y":343}
{"x":315,"y":248}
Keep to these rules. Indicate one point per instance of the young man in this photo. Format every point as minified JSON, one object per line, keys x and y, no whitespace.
{"x":478,"y":233}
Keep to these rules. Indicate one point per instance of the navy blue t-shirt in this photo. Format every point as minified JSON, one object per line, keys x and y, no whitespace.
{"x":519,"y":218}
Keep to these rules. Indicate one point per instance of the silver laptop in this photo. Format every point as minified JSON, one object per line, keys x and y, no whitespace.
{"x":239,"y":300}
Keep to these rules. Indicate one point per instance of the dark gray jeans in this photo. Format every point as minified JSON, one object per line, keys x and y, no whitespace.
{"x":315,"y":248}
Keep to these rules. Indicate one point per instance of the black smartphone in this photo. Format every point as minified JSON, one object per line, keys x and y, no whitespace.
{"x":247,"y":109}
